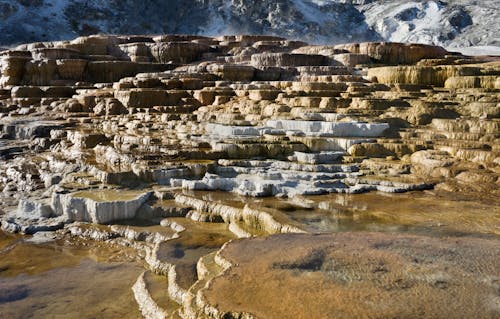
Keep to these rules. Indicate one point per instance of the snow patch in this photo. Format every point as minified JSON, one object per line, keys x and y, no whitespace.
{"x":478,"y":50}
{"x":311,"y":12}
{"x":412,"y":21}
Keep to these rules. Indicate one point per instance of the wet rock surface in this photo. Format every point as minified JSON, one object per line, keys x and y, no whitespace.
{"x":341,"y":276}
{"x":170,"y":146}
{"x":67,"y":279}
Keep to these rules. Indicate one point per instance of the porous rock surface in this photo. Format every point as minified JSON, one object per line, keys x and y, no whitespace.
{"x":404,"y":274}
{"x":254,"y":115}
{"x":104,"y":129}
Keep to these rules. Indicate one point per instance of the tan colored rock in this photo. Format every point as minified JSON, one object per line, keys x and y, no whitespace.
{"x":110,"y":71}
{"x":171,"y":84}
{"x":136,"y":52}
{"x":192,"y":84}
{"x":40,"y":72}
{"x":232,"y":72}
{"x":324,"y":70}
{"x":262,"y":95}
{"x":12,"y":70}
{"x":430,"y":163}
{"x":303,"y":101}
{"x":465,"y":82}
{"x":113,"y":71}
{"x":26,"y":91}
{"x":277,"y":46}
{"x":288,"y":60}
{"x":54,"y":54}
{"x":318,"y":86}
{"x":421,"y":75}
{"x":377,"y":104}
{"x":319,"y":276}
{"x":481,"y":109}
{"x":332,"y":103}
{"x":352,"y":59}
{"x":418,"y":112}
{"x":58,"y":91}
{"x":478,"y":156}
{"x":94,"y":45}
{"x":382,"y":150}
{"x":270,"y":73}
{"x":148,"y":82}
{"x":142,"y":97}
{"x":206,"y":97}
{"x":333,"y":78}
{"x":326,"y":50}
{"x":273,"y":109}
{"x":86,"y":140}
{"x":471,"y":126}
{"x":72,"y":69}
{"x":110,"y":106}
{"x":480,"y":177}
{"x":395,"y":53}
{"x":180,"y":52}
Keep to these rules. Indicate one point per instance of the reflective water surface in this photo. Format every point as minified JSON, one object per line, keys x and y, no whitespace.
{"x":77,"y":278}
{"x":66,"y":280}
{"x":419,"y":212}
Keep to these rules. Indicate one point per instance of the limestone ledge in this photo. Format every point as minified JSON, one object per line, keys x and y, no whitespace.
{"x":254,"y":218}
{"x":78,"y":207}
{"x":252,"y":115}
{"x":149,"y":308}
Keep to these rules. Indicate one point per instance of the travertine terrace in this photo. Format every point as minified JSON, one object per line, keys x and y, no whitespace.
{"x":183,"y":129}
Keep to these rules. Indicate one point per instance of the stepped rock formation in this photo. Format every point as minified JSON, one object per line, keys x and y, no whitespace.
{"x":172,"y":145}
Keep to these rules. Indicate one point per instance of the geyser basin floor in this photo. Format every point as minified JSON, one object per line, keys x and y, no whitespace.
{"x":357,"y":275}
{"x":87,"y":120}
{"x":66,"y":280}
{"x":37,"y":277}
{"x":427,"y":213}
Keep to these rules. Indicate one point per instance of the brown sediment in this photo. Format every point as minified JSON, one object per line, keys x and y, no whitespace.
{"x":71,"y":279}
{"x":427,"y":212}
{"x":358,"y":275}
{"x":109,"y":195}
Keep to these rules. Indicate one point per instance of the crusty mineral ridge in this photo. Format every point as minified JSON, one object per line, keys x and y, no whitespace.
{"x":159,"y":130}
{"x":253,"y":115}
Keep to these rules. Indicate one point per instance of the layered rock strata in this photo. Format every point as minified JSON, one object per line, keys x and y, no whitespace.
{"x":171,"y":130}
{"x":203,"y":113}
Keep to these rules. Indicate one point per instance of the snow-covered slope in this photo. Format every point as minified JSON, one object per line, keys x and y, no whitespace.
{"x":457,"y":23}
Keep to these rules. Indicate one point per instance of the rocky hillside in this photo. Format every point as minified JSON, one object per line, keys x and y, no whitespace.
{"x":174,"y":145}
{"x":460,"y":23}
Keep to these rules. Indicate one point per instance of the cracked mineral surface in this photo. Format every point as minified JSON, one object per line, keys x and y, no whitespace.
{"x":186,"y":176}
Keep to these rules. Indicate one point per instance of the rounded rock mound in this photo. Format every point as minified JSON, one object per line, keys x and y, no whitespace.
{"x":356,"y":275}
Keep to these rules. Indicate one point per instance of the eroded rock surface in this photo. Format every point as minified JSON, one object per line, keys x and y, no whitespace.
{"x":254,"y":115}
{"x":174,"y":145}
